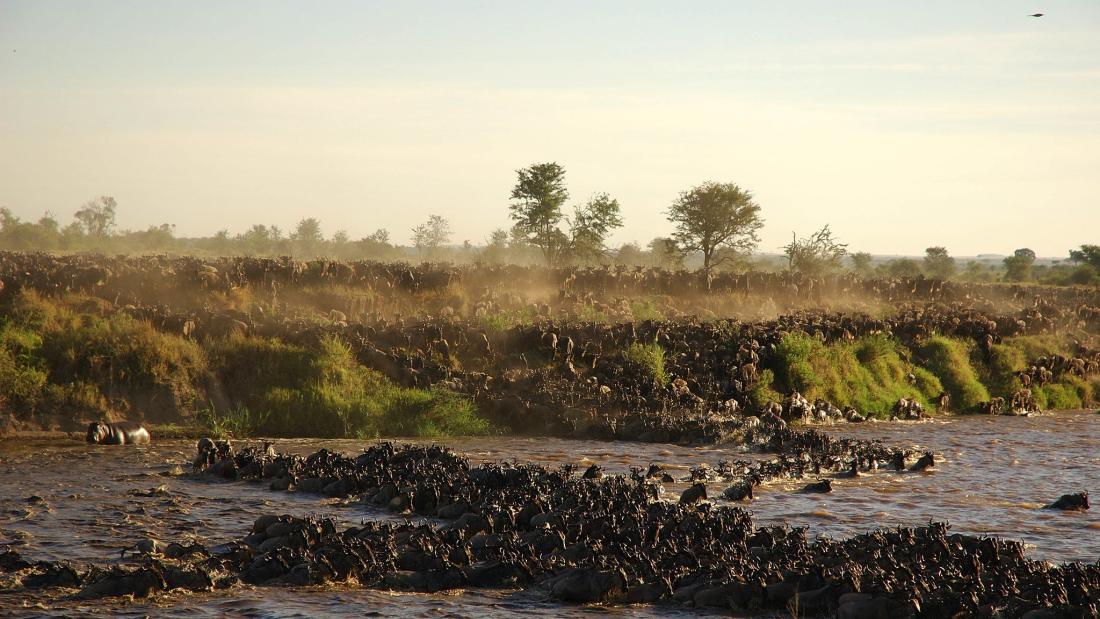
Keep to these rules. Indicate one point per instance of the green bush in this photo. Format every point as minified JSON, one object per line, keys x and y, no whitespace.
{"x":949,"y":360}
{"x":1061,"y":395}
{"x":999,"y":373}
{"x":763,"y":392}
{"x":324,"y":391}
{"x":650,"y":359}
{"x":236,"y":423}
{"x":1034,"y":346}
{"x":503,"y":320}
{"x":56,"y":359}
{"x":20,"y":385}
{"x":646,"y":309}
{"x":794,"y":370}
{"x":1093,"y":383}
{"x":868,"y":374}
{"x":874,"y":347}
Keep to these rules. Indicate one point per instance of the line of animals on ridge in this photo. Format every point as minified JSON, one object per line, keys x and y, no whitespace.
{"x":87,"y":273}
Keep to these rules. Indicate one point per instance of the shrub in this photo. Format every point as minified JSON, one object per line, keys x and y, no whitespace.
{"x":763,"y":392}
{"x":324,"y":391}
{"x":949,"y":360}
{"x":646,"y":309}
{"x":54,"y":358}
{"x":999,"y":373}
{"x":1034,"y":346}
{"x":650,"y":359}
{"x":503,"y":320}
{"x":1061,"y":395}
{"x":874,"y":347}
{"x":868,"y":374}
{"x":793,"y":369}
{"x":236,"y":422}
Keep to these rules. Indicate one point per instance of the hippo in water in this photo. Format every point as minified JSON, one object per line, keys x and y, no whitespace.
{"x":124,"y":433}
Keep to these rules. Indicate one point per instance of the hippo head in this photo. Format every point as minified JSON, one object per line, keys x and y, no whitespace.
{"x":97,"y":432}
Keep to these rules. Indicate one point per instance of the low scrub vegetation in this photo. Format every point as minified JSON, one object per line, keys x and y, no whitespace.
{"x":649,"y":359}
{"x":63,"y":362}
{"x":324,"y":391}
{"x":868,"y":374}
{"x":950,"y":360}
{"x":55,"y":358}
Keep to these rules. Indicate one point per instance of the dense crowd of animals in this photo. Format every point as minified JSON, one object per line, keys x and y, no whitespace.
{"x":125,"y":276}
{"x":591,"y":538}
{"x":565,"y":375}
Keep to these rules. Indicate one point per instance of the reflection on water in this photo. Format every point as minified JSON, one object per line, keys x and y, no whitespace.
{"x":67,"y":500}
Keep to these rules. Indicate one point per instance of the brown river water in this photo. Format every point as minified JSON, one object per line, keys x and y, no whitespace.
{"x":992,"y":477}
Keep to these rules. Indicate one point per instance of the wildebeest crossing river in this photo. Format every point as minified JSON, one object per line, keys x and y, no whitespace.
{"x":64,"y":500}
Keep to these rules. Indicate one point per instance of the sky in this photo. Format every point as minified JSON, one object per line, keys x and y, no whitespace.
{"x":902,"y":125}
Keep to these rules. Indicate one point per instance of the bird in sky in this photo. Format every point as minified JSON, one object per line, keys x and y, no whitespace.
{"x":1036,"y":14}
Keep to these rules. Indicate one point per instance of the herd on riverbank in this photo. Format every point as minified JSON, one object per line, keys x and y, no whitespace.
{"x":278,"y":347}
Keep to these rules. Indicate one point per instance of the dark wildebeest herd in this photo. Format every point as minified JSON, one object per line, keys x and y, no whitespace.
{"x":586,"y":537}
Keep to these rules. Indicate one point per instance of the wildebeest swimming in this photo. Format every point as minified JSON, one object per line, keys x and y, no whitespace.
{"x":586,"y":540}
{"x":1078,"y":501}
{"x":122,"y":433}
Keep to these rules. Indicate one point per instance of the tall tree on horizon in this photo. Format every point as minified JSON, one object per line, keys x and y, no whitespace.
{"x":537,"y":200}
{"x":97,"y":217}
{"x":714,"y":216}
{"x":938,"y":263}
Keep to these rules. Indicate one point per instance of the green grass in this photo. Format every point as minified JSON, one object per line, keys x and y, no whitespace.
{"x":949,"y":359}
{"x":324,"y":391}
{"x":1034,"y":346}
{"x":590,"y":313}
{"x":237,"y":422}
{"x":646,"y":309}
{"x":57,"y":360}
{"x":54,"y":357}
{"x":763,"y":392}
{"x":868,"y":374}
{"x":998,"y":374}
{"x":650,"y":358}
{"x":1016,"y":353}
{"x":503,"y":320}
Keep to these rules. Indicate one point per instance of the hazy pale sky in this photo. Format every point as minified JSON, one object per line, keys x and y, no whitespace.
{"x":902,"y":124}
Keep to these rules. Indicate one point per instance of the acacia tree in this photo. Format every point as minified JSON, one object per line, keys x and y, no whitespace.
{"x":496,"y":248}
{"x":1088,"y":254}
{"x":903,"y":267}
{"x":429,"y":236}
{"x":307,"y":235}
{"x":816,"y":254}
{"x":1018,"y":265}
{"x":665,"y":253}
{"x":537,"y":199}
{"x":938,"y":263}
{"x":97,"y":217}
{"x":590,"y":226}
{"x":714,"y":216}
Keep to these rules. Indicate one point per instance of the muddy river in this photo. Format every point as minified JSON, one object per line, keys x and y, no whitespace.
{"x":67,"y":500}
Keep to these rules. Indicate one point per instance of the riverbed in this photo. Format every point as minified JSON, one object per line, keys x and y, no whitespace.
{"x":65,"y":500}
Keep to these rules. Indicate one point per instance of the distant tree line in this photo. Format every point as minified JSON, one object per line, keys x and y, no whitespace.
{"x":713,"y":225}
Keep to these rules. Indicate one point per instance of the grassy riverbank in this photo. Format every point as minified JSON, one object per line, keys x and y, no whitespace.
{"x":70,"y":359}
{"x":64,"y":361}
{"x":871,"y":373}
